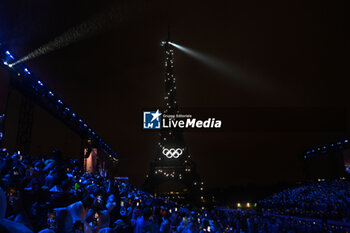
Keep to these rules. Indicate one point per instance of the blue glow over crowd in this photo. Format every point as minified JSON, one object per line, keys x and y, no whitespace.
{"x":52,"y":194}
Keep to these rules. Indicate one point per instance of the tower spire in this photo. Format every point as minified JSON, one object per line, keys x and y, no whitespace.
{"x":169,"y":39}
{"x":169,"y":14}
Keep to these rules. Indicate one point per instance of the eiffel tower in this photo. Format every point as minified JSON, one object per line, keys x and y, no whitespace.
{"x":172,"y":161}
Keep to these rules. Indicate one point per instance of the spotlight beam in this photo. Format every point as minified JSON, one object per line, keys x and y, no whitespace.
{"x":74,"y":34}
{"x":92,"y":26}
{"x":225,"y":68}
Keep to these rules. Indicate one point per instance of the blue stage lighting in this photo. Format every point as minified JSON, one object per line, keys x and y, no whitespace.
{"x":338,"y":143}
{"x":346,"y":140}
{"x":9,"y":54}
{"x":11,"y":63}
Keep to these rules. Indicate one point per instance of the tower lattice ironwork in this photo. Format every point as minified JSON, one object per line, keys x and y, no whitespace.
{"x":172,"y":161}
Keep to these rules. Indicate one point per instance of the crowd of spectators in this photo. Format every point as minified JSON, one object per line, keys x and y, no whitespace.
{"x":251,"y":221}
{"x":51,"y":194}
{"x":320,"y":199}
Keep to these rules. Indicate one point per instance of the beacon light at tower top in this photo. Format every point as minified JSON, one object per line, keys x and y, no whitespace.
{"x":163,"y":43}
{"x":40,"y":89}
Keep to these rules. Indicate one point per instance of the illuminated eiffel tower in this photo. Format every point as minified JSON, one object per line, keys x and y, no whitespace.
{"x":172,"y":163}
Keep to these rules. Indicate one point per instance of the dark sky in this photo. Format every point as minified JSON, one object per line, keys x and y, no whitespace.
{"x":296,"y":48}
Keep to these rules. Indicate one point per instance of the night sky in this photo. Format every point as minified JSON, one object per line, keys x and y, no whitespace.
{"x":295,"y":49}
